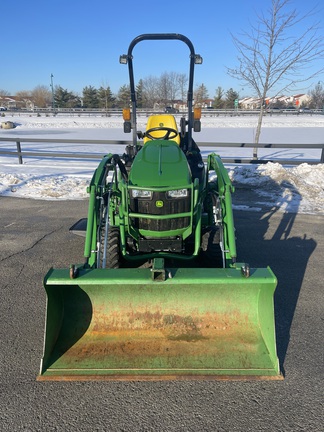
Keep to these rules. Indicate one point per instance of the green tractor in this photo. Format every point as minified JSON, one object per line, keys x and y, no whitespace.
{"x":160,"y":295}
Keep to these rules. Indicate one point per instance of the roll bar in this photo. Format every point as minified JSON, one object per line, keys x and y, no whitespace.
{"x":128,"y":59}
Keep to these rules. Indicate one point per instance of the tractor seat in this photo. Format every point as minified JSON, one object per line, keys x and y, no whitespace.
{"x":161,"y":120}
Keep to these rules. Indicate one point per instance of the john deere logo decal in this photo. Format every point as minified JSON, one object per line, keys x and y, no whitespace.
{"x":159,"y":203}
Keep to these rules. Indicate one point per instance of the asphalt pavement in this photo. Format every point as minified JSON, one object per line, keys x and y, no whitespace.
{"x":34,"y":236}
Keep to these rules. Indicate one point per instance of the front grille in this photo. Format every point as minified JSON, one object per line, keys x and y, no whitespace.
{"x":170,"y":206}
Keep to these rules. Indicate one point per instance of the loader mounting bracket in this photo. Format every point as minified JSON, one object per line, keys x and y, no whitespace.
{"x":158,"y":270}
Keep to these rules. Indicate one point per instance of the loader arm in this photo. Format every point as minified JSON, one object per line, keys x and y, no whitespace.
{"x":225,"y":190}
{"x":97,"y":189}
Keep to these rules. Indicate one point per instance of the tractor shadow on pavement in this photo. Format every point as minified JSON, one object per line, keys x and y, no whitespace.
{"x":270,"y":237}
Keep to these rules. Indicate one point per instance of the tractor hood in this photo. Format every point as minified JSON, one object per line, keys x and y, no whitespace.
{"x":160,"y":163}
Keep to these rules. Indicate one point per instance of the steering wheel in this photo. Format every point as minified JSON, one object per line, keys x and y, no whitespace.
{"x":170,"y":133}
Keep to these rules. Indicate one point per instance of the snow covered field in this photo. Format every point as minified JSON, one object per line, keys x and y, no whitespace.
{"x":291,"y":189}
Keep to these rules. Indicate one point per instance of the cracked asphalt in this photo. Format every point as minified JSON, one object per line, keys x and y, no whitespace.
{"x":34,"y":236}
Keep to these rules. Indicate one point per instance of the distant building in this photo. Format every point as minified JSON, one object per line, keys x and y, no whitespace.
{"x":294,"y":100}
{"x":14,"y":102}
{"x":207,"y":103}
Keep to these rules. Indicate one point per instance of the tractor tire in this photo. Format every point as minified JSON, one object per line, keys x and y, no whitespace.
{"x":113,"y":259}
{"x":211,"y":253}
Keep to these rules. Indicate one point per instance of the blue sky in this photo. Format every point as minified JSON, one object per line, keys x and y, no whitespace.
{"x":79,"y":41}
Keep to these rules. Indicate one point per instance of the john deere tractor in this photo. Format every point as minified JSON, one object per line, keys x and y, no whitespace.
{"x":160,"y":295}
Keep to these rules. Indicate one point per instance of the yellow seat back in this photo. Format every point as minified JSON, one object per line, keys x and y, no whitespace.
{"x":161,"y":120}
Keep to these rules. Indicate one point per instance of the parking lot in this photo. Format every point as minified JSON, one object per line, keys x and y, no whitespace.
{"x":34,"y":237}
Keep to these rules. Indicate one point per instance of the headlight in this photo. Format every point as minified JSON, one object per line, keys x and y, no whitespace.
{"x":178,"y":193}
{"x":137,"y":193}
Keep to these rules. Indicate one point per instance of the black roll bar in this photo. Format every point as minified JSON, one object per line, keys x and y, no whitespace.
{"x":129,"y":59}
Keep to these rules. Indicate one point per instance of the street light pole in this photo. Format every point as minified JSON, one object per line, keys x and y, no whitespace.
{"x":52,"y":91}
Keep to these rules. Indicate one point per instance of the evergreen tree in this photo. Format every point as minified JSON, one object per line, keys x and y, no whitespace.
{"x":231,"y":95}
{"x":200,"y":94}
{"x":139,"y":94}
{"x":65,"y":99}
{"x":90,"y":97}
{"x":105,"y":97}
{"x":218,"y":99}
{"x":317,"y":96}
{"x":123,"y":97}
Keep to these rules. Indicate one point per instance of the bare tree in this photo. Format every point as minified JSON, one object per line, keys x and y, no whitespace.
{"x":4,"y":92}
{"x":150,"y":91}
{"x":41,"y":96}
{"x":174,"y":85}
{"x":169,"y":86}
{"x":270,"y":58}
{"x":183,"y":86}
{"x":164,"y":89}
{"x":23,"y":99}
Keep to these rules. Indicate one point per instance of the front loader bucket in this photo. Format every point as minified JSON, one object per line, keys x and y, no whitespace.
{"x":120,"y":324}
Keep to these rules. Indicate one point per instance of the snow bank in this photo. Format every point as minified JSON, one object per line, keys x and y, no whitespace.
{"x":289,"y":189}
